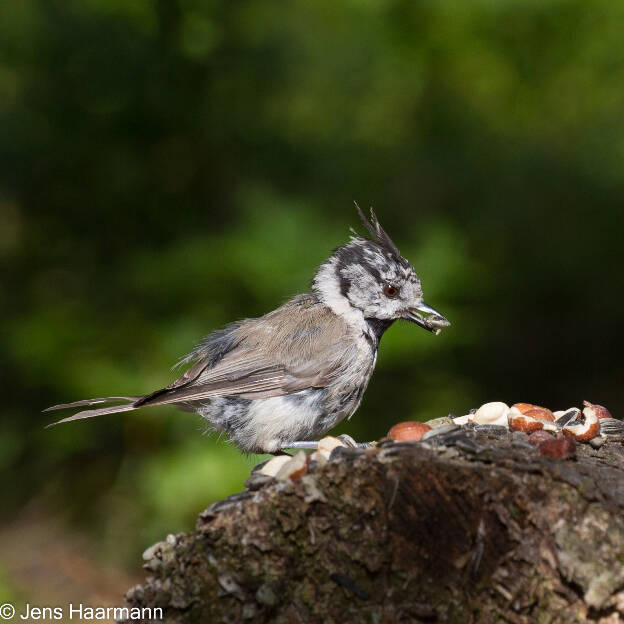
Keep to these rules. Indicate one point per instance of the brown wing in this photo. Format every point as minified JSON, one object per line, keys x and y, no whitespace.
{"x":245,"y":377}
{"x":300,"y":345}
{"x":283,"y":352}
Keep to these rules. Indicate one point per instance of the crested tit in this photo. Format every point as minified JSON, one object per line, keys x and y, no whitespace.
{"x":288,"y":377}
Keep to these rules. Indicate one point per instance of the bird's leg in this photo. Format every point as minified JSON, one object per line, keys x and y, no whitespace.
{"x":347,"y":440}
{"x":301,"y":444}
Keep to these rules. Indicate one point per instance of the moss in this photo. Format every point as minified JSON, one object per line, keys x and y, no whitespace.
{"x":514,"y":511}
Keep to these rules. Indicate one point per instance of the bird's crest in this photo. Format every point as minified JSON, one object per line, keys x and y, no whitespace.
{"x":378,"y":234}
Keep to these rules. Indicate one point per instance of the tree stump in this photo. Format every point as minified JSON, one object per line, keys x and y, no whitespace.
{"x":479,"y":529}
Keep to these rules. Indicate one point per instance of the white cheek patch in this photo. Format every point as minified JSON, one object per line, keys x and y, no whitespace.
{"x":364,"y":292}
{"x":359,"y":276}
{"x":328,"y":287}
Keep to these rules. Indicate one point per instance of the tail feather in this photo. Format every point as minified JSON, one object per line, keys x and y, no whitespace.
{"x":102,"y":411}
{"x":84,"y":402}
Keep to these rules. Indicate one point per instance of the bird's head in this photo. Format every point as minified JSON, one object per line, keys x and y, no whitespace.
{"x":369,"y":279}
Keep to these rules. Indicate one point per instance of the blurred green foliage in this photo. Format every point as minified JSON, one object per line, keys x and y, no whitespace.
{"x":171,"y":165}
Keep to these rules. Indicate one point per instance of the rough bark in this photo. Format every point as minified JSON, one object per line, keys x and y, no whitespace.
{"x":484,"y":530}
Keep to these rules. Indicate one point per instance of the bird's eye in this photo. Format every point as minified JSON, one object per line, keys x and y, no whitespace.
{"x":391,"y":291}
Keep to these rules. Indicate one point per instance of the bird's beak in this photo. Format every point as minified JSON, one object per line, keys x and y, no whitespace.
{"x":427,"y":317}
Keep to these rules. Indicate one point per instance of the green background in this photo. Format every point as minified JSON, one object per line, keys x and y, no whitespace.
{"x":168,"y":166}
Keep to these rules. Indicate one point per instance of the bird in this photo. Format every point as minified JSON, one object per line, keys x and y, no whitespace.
{"x":283,"y":380}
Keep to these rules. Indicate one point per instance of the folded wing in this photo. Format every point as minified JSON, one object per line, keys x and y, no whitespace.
{"x":265,"y":359}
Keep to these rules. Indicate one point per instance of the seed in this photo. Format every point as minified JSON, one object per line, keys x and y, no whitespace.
{"x":274,"y":465}
{"x":600,"y":411}
{"x":540,"y":413}
{"x":535,"y":411}
{"x":519,"y":422}
{"x":612,"y":428}
{"x":463,"y":420}
{"x":584,"y":431}
{"x":566,"y":416}
{"x":327,"y":444}
{"x":409,"y":431}
{"x":294,"y":469}
{"x":440,"y":432}
{"x":494,"y":413}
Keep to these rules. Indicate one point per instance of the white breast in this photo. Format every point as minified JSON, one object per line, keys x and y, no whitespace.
{"x":273,"y":422}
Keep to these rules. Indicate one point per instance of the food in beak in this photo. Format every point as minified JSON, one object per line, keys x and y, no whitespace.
{"x":427,"y":317}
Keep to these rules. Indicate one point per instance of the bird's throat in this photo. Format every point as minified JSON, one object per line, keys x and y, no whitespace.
{"x":377,"y":327}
